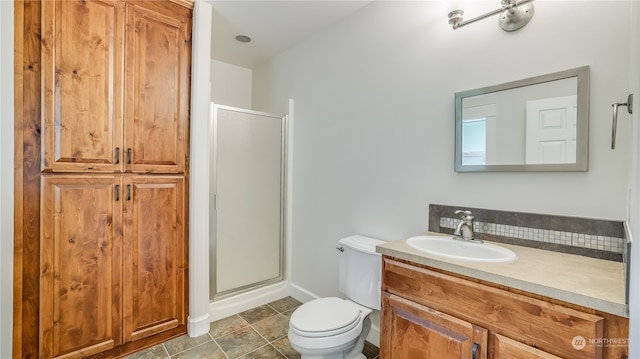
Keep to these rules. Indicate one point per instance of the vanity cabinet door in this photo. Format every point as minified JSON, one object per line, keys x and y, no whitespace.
{"x":550,"y":327}
{"x":505,"y":348}
{"x":413,"y":331}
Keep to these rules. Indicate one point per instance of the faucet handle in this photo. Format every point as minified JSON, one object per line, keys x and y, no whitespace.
{"x":465,"y":214}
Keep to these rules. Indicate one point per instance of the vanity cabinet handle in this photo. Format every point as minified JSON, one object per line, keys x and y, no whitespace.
{"x":117,"y":192}
{"x":117,"y":155}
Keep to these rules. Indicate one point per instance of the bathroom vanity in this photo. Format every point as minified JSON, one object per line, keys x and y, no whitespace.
{"x":544,"y":305}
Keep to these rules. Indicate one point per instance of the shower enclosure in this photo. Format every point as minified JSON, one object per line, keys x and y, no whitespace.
{"x":248,"y":201}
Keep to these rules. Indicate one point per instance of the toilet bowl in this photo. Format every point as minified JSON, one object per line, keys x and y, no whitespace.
{"x":336,"y":328}
{"x":327,"y":327}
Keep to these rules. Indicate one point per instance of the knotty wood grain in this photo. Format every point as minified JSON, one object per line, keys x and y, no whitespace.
{"x":157,"y":75}
{"x":418,"y":332}
{"x":505,"y":348}
{"x":30,"y":39}
{"x":27,"y":178}
{"x":82,"y":60}
{"x":155,"y":257}
{"x":81,"y":265}
{"x":547,"y":326}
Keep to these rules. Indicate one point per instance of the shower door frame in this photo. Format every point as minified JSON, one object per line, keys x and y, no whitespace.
{"x":213,"y":293}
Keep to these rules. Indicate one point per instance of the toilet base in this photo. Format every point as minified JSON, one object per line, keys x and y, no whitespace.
{"x":330,"y":356}
{"x":354,"y":353}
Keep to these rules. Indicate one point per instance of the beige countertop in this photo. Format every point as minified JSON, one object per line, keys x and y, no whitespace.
{"x":589,"y":282}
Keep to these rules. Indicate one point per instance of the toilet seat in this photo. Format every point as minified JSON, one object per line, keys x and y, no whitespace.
{"x":325,"y":317}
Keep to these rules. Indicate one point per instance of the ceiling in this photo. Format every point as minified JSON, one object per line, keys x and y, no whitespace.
{"x":272,"y":25}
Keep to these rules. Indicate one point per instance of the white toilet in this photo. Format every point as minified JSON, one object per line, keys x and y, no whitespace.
{"x":335,"y":328}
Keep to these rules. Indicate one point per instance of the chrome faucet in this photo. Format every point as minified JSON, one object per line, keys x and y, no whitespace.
{"x":464,"y":229}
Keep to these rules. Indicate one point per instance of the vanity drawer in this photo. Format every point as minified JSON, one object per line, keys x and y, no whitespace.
{"x":531,"y":321}
{"x":506,"y":348}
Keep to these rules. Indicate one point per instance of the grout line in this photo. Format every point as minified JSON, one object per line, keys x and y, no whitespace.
{"x":256,"y":349}
{"x":278,"y":313}
{"x":220,"y":347}
{"x":195,"y":346}
{"x":222,"y":350}
{"x":244,"y":320}
{"x":166,"y":351}
{"x":255,"y":330}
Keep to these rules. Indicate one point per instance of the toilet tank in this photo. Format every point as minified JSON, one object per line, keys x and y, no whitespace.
{"x":360,"y":270}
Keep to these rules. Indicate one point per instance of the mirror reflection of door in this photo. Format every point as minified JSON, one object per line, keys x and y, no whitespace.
{"x":551,"y":130}
{"x":555,"y":136}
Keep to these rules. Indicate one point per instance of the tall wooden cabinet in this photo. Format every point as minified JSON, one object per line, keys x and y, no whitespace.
{"x":115,"y":93}
{"x":116,"y":81}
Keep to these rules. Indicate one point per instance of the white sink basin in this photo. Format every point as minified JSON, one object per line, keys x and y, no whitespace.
{"x":447,"y":247}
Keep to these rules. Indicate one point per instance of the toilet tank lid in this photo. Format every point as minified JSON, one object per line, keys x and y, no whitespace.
{"x":361,"y":243}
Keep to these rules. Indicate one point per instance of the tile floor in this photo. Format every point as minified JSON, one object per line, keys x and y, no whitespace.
{"x":260,"y":332}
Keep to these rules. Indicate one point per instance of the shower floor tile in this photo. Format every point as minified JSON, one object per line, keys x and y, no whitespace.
{"x":260,"y":332}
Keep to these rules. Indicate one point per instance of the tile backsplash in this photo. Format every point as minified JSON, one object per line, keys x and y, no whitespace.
{"x":603,"y":243}
{"x":589,"y":237}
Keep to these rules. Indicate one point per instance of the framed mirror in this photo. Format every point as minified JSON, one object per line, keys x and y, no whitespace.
{"x":536,"y":124}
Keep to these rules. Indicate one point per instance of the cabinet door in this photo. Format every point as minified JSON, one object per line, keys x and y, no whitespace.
{"x":506,"y":348}
{"x":157,"y":73}
{"x":551,"y":327}
{"x":413,"y":331}
{"x":82,"y":48}
{"x":80,"y":263}
{"x":155,"y":258}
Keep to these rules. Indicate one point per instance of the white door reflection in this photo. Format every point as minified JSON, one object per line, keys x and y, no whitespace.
{"x":551,"y":130}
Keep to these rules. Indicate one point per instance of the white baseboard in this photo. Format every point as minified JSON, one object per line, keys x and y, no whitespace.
{"x":226,"y":307}
{"x":239,"y":303}
{"x":198,"y":326}
{"x":302,"y":294}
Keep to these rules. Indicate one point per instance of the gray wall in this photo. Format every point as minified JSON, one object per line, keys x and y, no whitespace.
{"x":6,"y":177}
{"x":374,"y":105}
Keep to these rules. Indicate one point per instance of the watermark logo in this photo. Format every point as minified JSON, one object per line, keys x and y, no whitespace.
{"x":578,"y":342}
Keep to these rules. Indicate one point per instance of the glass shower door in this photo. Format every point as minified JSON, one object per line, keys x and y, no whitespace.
{"x":248,"y":167}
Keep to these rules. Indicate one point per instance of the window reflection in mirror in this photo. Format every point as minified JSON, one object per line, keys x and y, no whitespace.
{"x":536,"y":124}
{"x":474,"y":141}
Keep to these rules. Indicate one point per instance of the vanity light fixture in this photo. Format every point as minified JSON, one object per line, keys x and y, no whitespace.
{"x":514,"y":14}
